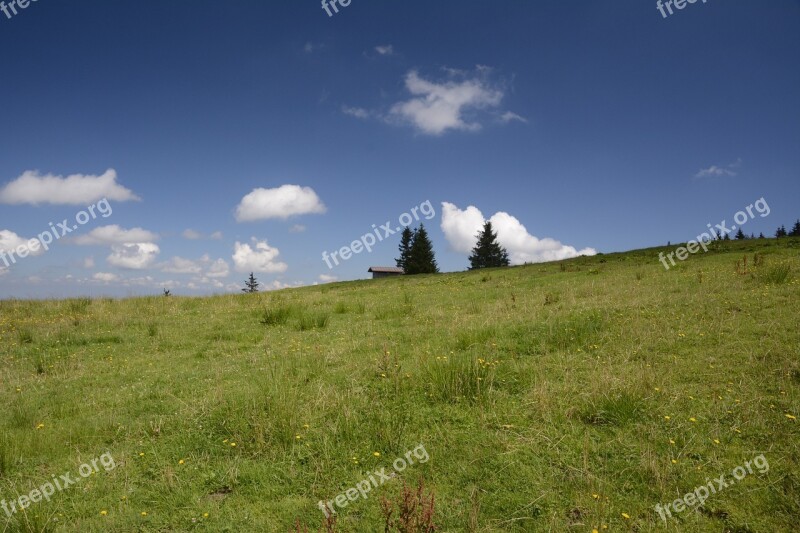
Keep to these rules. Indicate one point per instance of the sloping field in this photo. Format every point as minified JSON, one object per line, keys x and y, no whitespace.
{"x":564,"y":396}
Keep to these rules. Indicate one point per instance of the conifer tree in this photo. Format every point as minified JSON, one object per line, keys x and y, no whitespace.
{"x":796,"y":229}
{"x":421,"y":258}
{"x":761,"y":235}
{"x":781,"y":232}
{"x":740,"y":236}
{"x":406,"y":240}
{"x":487,"y":252}
{"x":251,"y":285}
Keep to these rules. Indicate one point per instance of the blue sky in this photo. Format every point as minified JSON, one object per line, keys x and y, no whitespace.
{"x":274,"y":133}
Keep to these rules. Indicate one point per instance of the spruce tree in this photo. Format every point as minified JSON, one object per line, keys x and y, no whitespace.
{"x":726,"y":237}
{"x":406,"y":239}
{"x":421,"y":258}
{"x":796,"y":229}
{"x":251,"y":285}
{"x":781,"y":232}
{"x":761,"y":235}
{"x":487,"y":252}
{"x":740,"y":235}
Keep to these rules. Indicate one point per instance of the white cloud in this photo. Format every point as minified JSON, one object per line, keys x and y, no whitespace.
{"x":358,"y":112}
{"x":297,"y":228}
{"x":327,"y":278}
{"x":114,"y":235}
{"x":10,"y":241}
{"x":204,"y":268}
{"x":133,"y":256}
{"x":105,"y":277}
{"x":439,"y":107}
{"x":508,"y":116}
{"x":88,"y":262}
{"x":179,"y":265}
{"x":716,"y":171}
{"x":282,"y":202}
{"x":263,"y":258}
{"x":218,"y":269}
{"x":386,"y":50}
{"x":192,"y":235}
{"x":461,"y":228}
{"x":77,"y":189}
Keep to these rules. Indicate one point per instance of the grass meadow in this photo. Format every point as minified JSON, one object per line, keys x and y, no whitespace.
{"x":566,"y":396}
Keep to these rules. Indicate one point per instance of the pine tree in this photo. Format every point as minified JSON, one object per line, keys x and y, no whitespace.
{"x":421,"y":258}
{"x":740,"y":235}
{"x":781,"y":232}
{"x":406,"y":239}
{"x":487,"y":252}
{"x":796,"y":229}
{"x":726,"y":237}
{"x":761,"y":235}
{"x":251,"y":285}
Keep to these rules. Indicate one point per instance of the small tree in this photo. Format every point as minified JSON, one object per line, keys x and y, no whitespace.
{"x":740,"y":236}
{"x":421,"y":257}
{"x":761,"y":235}
{"x":487,"y":252}
{"x":727,"y":237}
{"x":781,"y":232}
{"x":406,"y":240}
{"x":795,"y":229}
{"x":251,"y":285}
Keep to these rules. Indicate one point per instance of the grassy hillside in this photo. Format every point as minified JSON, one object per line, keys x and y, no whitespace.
{"x":565,"y":396}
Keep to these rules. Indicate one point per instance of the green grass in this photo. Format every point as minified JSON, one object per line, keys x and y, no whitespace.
{"x":541,"y":394}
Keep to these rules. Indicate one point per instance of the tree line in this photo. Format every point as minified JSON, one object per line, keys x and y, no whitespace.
{"x":779,"y":233}
{"x":417,"y":256}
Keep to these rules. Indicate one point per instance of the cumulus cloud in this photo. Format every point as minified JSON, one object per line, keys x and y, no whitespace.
{"x":204,"y":267}
{"x":133,"y":256}
{"x":105,"y":277}
{"x":261,"y":257}
{"x":297,"y":228}
{"x":77,"y":189}
{"x":385,"y":50}
{"x":218,"y":269}
{"x":179,"y":265}
{"x":438,"y":107}
{"x":461,"y":228}
{"x":327,"y":278}
{"x":10,"y":241}
{"x":114,"y":234}
{"x":191,"y":235}
{"x":281,"y":202}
